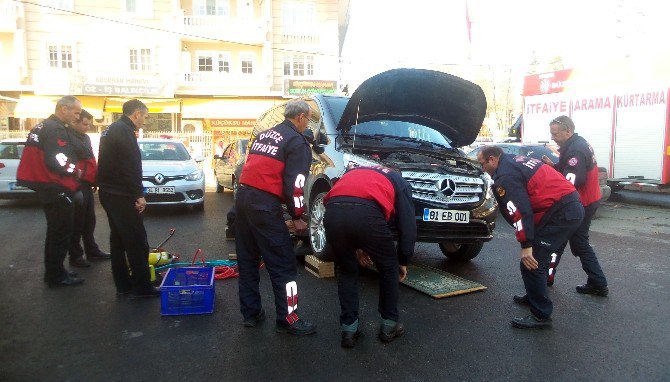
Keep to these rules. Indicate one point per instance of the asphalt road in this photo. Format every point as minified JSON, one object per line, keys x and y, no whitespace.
{"x":88,"y":334}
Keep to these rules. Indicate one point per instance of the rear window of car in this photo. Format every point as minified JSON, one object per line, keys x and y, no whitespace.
{"x":164,"y":151}
{"x":9,"y":150}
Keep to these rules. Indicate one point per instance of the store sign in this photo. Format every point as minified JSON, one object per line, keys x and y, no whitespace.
{"x":231,"y":122}
{"x":134,"y":86}
{"x":306,"y":87}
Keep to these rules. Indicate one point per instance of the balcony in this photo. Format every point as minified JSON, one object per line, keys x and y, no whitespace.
{"x":206,"y":28}
{"x":9,"y":14}
{"x":215,"y":83}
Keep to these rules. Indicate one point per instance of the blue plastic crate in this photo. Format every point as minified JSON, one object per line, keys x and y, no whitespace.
{"x":188,"y":290}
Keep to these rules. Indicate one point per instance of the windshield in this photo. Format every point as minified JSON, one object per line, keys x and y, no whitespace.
{"x":398,"y":130}
{"x":11,"y":150}
{"x":164,"y":151}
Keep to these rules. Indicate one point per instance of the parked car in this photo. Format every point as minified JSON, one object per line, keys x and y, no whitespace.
{"x":226,"y":164}
{"x":10,"y":155}
{"x":532,"y":150}
{"x":411,"y":120}
{"x":537,"y":150}
{"x":170,"y":175}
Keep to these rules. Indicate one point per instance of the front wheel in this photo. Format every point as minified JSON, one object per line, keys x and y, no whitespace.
{"x":317,"y":231}
{"x":460,"y":251}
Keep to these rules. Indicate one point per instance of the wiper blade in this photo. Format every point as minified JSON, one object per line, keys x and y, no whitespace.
{"x":379,"y":137}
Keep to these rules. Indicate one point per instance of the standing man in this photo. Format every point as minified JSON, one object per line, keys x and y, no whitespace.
{"x":544,"y":209}
{"x":48,"y":166}
{"x":274,"y":173}
{"x":84,"y":211}
{"x":577,"y":163}
{"x":122,"y":197}
{"x":359,"y":209}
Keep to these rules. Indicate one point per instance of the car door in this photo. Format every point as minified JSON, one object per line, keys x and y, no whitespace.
{"x":219,"y":166}
{"x":228,"y":162}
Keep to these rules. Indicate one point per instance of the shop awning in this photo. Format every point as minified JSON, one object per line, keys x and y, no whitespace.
{"x":32,"y":106}
{"x":225,"y":108}
{"x":171,"y":106}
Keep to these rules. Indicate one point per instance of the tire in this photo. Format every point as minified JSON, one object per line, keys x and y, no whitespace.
{"x":461,"y":251}
{"x":317,"y":231}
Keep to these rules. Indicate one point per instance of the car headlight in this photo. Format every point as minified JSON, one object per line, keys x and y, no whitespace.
{"x":195,"y":175}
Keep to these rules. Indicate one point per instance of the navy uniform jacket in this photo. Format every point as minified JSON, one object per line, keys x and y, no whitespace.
{"x":49,"y":159}
{"x":526,"y":190}
{"x":578,"y":164}
{"x":278,"y":163}
{"x":391,"y":193}
{"x":120,"y":160}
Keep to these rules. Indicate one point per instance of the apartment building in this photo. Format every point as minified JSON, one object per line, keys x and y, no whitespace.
{"x":198,"y":64}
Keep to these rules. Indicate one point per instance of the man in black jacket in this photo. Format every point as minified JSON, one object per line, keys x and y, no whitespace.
{"x":84,"y":212}
{"x":274,"y":173}
{"x":359,"y":209}
{"x":122,"y":197}
{"x":49,"y":166}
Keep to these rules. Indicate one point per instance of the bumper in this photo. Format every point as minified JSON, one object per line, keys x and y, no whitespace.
{"x":185,"y":192}
{"x":9,"y":190}
{"x":474,"y":231}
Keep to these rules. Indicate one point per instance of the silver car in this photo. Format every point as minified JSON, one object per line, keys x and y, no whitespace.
{"x":10,"y":155}
{"x":170,"y":175}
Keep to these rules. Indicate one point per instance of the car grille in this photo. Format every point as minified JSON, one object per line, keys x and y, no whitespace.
{"x":162,"y":198}
{"x":165,"y":179}
{"x":444,"y":188}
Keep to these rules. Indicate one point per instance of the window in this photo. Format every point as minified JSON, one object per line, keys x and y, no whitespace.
{"x":60,"y":56}
{"x":211,"y":7}
{"x":143,"y":8}
{"x":247,"y":61}
{"x":211,"y":61}
{"x":140,"y":59}
{"x":298,"y":19}
{"x":298,"y":65}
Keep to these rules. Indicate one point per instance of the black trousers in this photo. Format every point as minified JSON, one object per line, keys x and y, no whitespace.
{"x":261,"y":232}
{"x":349,"y":227}
{"x":560,"y":226}
{"x":84,"y":226}
{"x":59,"y":211}
{"x":129,"y":247}
{"x":580,"y":247}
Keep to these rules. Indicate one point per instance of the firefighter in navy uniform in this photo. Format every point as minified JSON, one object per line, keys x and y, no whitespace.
{"x":577,"y":163}
{"x":274,"y":173}
{"x":545,"y":210}
{"x":48,"y":166}
{"x":360,"y":208}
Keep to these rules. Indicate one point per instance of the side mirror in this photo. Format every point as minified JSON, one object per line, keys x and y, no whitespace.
{"x":199,"y":159}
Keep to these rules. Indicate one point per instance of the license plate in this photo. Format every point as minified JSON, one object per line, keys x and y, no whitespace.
{"x":14,"y":187}
{"x":159,"y":190}
{"x":445,"y":216}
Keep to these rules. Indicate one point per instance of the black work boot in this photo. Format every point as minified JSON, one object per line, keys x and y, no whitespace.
{"x":388,"y":333}
{"x":298,"y":328}
{"x":254,"y":320}
{"x":349,"y":339}
{"x":521,"y":300}
{"x":531,"y":322}
{"x":587,"y":288}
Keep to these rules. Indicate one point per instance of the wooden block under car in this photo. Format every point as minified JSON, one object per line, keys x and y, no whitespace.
{"x":232,"y":256}
{"x":318,"y":268}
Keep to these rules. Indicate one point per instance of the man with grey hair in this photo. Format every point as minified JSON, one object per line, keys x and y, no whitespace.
{"x":274,"y":173}
{"x":49,"y":166}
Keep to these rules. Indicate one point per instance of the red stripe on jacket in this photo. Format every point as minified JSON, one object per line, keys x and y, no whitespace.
{"x":546,"y":187}
{"x":589,"y":192}
{"x":264,"y":173}
{"x":34,"y":173}
{"x":366,"y":184}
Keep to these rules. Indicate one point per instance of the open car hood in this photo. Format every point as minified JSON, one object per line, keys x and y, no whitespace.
{"x":449,"y":104}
